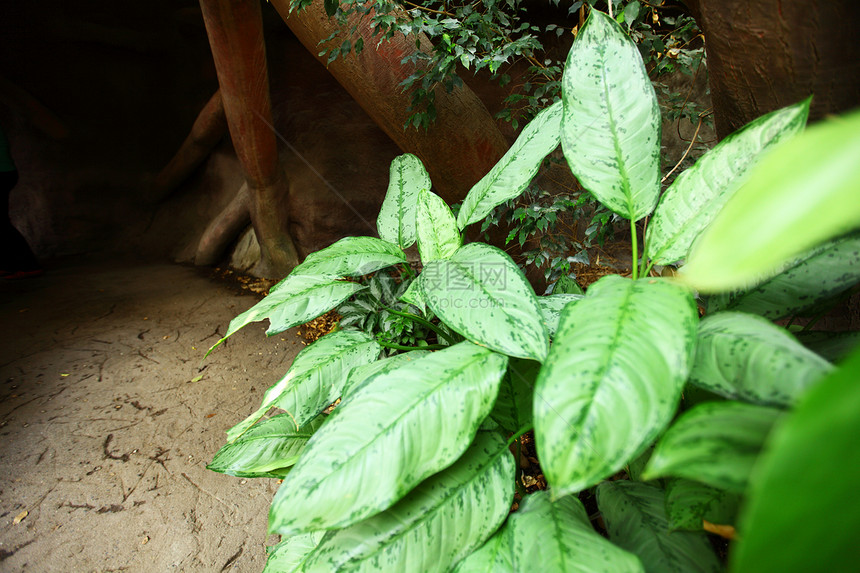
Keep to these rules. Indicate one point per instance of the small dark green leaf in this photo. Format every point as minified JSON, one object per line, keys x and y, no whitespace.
{"x":513,"y":409}
{"x":689,"y":504}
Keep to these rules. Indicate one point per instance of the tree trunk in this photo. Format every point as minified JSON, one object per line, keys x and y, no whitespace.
{"x":457,"y":150}
{"x":767,"y":54}
{"x":235,"y":30}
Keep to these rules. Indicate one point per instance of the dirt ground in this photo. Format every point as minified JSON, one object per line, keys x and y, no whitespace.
{"x":106,"y":429}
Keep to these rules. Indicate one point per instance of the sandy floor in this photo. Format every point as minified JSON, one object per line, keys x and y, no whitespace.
{"x":104,"y":432}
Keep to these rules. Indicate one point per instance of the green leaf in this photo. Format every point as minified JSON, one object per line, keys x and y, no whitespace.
{"x":511,"y":175}
{"x":802,"y":194}
{"x":832,"y":346}
{"x":610,"y":131}
{"x":396,"y":430}
{"x":551,"y":307}
{"x":434,"y":526}
{"x":746,"y":357}
{"x":697,"y":195}
{"x":690,"y":503}
{"x":315,"y":378}
{"x":438,"y":236}
{"x":415,"y":296}
{"x":801,"y":512}
{"x":513,"y":409}
{"x":482,"y":294}
{"x":266,"y":450}
{"x":612,"y":379}
{"x":566,"y":285}
{"x":635,"y":517}
{"x":351,"y":256}
{"x":361,"y":374}
{"x":396,"y":220}
{"x":548,"y":535}
{"x":290,"y":554}
{"x":297,"y":299}
{"x":805,"y":282}
{"x":493,"y":557}
{"x":715,"y":443}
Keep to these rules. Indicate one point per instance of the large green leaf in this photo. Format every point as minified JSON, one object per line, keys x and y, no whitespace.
{"x":393,"y":432}
{"x":315,"y":378}
{"x":802,"y":512}
{"x":547,"y":535}
{"x":697,"y":195}
{"x":800,"y":195}
{"x":513,"y":409}
{"x":266,"y":450}
{"x":494,"y":556}
{"x":807,"y":281}
{"x":482,"y":294}
{"x":298,"y":299}
{"x":438,"y":236}
{"x":610,"y":131}
{"x":746,"y":357}
{"x":362,"y":373}
{"x":715,"y":443}
{"x":290,"y":554}
{"x":612,"y":379}
{"x":690,"y":503}
{"x":635,"y":516}
{"x":551,"y":307}
{"x":441,"y":521}
{"x":351,"y":256}
{"x":396,"y":220}
{"x":511,"y":175}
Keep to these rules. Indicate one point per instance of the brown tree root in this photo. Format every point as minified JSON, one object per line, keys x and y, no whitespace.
{"x":224,"y":228}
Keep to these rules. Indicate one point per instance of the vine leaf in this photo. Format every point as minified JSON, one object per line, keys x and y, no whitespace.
{"x":605,"y":360}
{"x":610,"y":130}
{"x":393,"y":432}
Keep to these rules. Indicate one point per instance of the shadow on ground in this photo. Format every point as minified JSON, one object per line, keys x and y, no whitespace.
{"x":105,"y":430}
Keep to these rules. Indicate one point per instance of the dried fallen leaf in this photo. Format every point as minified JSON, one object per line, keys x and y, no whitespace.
{"x":20,"y":517}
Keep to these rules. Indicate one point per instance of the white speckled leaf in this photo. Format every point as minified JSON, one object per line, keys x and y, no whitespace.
{"x":438,"y":523}
{"x":351,"y":256}
{"x":396,"y":220}
{"x":494,"y":556}
{"x":414,"y":295}
{"x":697,"y":195}
{"x":551,"y":307}
{"x":266,"y":450}
{"x":315,"y":378}
{"x":290,"y":554}
{"x":746,"y":357}
{"x":610,"y":131}
{"x":361,"y":374}
{"x":716,"y":443}
{"x":612,"y":379}
{"x":396,"y":430}
{"x":635,"y":516}
{"x":438,"y":236}
{"x":813,"y":278}
{"x":482,"y":294}
{"x":511,"y":175}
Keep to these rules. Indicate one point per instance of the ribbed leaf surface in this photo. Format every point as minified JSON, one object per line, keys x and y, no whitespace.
{"x":396,"y":220}
{"x":438,"y":236}
{"x":438,"y":523}
{"x":612,"y":379}
{"x":290,"y":554}
{"x":697,"y":195}
{"x":635,"y":516}
{"x":551,"y":307}
{"x":556,"y":535}
{"x":482,"y":294}
{"x":610,"y":131}
{"x":801,"y":195}
{"x":494,"y":556}
{"x":746,"y":357}
{"x":315,"y":378}
{"x":266,"y":450}
{"x":396,"y":430}
{"x":689,"y":504}
{"x":360,"y":374}
{"x":715,"y":443}
{"x":511,"y":175}
{"x":351,"y":256}
{"x":807,"y":281}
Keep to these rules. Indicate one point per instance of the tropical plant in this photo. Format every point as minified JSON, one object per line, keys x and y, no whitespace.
{"x":413,"y":471}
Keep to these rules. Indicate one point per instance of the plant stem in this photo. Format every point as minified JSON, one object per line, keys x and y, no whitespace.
{"x":423,"y":322}
{"x":635,"y":247}
{"x":401,"y":347}
{"x":519,"y":434}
